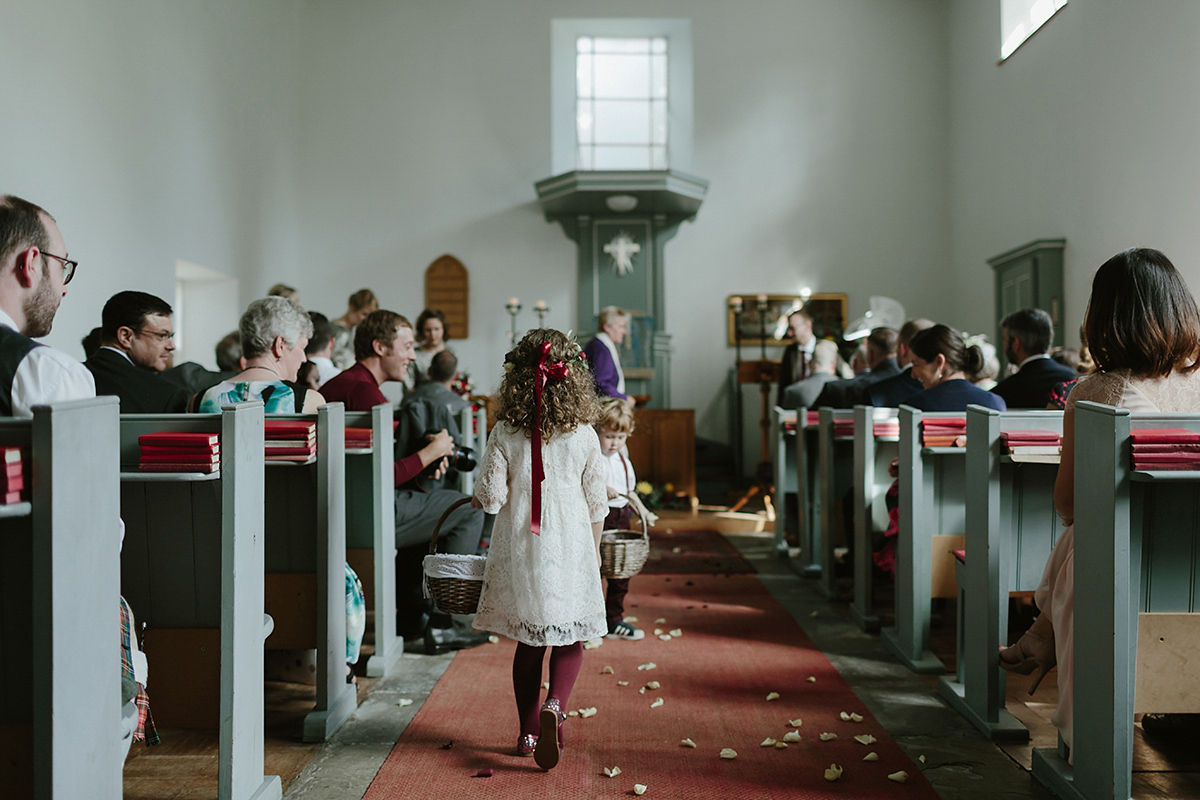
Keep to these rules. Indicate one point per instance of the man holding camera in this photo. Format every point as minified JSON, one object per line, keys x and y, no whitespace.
{"x":383,"y":349}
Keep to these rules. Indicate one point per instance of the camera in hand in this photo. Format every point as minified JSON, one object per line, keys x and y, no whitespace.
{"x":461,"y":458}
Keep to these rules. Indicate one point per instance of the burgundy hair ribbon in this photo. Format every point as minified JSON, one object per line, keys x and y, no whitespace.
{"x":557,"y":371}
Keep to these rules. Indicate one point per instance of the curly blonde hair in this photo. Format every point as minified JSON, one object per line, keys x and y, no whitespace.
{"x":566,"y":404}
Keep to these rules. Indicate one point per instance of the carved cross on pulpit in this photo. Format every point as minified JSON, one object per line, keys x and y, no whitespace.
{"x":622,"y":249}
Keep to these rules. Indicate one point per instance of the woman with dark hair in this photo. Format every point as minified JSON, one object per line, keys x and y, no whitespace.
{"x":946,"y":366}
{"x":1143,"y":330}
{"x":431,"y":333}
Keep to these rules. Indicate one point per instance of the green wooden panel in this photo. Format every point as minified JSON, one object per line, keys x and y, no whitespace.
{"x":633,"y":290}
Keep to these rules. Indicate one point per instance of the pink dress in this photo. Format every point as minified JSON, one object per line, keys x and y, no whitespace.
{"x":1056,"y":593}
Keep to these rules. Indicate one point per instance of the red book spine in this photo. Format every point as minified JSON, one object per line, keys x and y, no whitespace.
{"x":11,"y":497}
{"x":179,"y":439}
{"x":12,"y":455}
{"x":180,"y":458}
{"x":1162,"y":447}
{"x":14,"y":470}
{"x":13,"y":484}
{"x":291,"y":451}
{"x":1167,"y":436}
{"x":155,"y":450}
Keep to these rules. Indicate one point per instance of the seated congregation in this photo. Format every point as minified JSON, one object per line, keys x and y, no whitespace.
{"x":555,"y":473}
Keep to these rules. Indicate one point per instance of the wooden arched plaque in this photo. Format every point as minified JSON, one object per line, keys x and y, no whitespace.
{"x":446,"y":289}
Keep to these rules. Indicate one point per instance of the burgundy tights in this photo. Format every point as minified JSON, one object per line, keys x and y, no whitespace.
{"x":565,"y":661}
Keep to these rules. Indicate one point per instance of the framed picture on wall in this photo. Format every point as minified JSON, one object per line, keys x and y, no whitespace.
{"x":752,"y":328}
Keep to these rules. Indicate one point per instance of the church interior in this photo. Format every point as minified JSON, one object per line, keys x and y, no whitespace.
{"x":863,"y":151}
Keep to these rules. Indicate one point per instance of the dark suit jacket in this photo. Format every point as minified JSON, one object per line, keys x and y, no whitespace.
{"x":1029,"y":387}
{"x":954,"y":395}
{"x":893,"y":391}
{"x":141,"y":391}
{"x":853,"y":391}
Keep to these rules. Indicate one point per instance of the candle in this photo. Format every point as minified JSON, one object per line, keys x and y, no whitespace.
{"x":762,"y":298}
{"x":540,"y":305}
{"x":736,"y":304}
{"x":512,"y":301}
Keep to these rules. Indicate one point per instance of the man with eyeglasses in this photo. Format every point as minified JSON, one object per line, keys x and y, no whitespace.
{"x":136,"y":343}
{"x":33,"y":280}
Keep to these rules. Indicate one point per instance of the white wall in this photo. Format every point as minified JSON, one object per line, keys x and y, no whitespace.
{"x":335,"y":145}
{"x":821,"y":124}
{"x":153,"y":131}
{"x":1089,"y":132}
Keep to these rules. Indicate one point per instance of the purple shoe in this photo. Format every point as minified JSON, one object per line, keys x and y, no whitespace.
{"x":526,"y":745}
{"x":549,"y":748}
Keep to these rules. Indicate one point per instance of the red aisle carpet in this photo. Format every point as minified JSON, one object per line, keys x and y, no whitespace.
{"x":737,"y":645}
{"x":694,"y":552}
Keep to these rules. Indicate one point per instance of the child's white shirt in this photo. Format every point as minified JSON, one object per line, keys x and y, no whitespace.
{"x":620,"y":476}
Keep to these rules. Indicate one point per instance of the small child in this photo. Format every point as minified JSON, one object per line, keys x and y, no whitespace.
{"x":613,"y":429}
{"x":542,"y":475}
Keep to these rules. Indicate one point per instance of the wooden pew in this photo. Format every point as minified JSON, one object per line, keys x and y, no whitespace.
{"x":1011,"y":529}
{"x":371,"y":529}
{"x":835,"y":466}
{"x":60,"y":671}
{"x":1137,"y":543}
{"x":932,"y":509}
{"x":872,"y":456}
{"x":192,"y":570}
{"x":784,"y":434}
{"x":305,"y":565}
{"x":809,"y":507}
{"x":472,"y":424}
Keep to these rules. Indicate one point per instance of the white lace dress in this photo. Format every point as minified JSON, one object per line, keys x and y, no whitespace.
{"x":544,"y":589}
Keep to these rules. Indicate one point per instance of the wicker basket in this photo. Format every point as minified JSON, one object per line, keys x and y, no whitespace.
{"x":624,"y":553}
{"x":452,"y":595}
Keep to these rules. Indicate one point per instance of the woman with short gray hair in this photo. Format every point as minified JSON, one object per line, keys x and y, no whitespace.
{"x":274,"y":333}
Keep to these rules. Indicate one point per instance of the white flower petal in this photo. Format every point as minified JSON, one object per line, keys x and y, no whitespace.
{"x":898,"y":777}
{"x":773,"y":696}
{"x":404,"y":702}
{"x":587,"y":712}
{"x":811,"y":679}
{"x":833,"y":772}
{"x":767,"y":742}
{"x":795,"y":723}
{"x":872,"y":756}
{"x":612,"y":772}
{"x":639,"y":789}
{"x":494,"y":639}
{"x":781,"y":745}
{"x":728,"y":752}
{"x":653,"y":685}
{"x":826,"y":737}
{"x":792,"y":736}
{"x":657,"y":703}
{"x":606,"y":671}
{"x":688,"y":743}
{"x":647,"y":666}
{"x":676,"y":632}
{"x":865,"y":738}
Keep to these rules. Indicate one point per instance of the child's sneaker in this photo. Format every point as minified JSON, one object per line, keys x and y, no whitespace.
{"x":623,"y":630}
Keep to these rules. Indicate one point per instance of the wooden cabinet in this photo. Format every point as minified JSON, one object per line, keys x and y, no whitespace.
{"x":663,"y":447}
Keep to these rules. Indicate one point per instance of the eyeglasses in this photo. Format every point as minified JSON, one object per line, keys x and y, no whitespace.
{"x":68,"y":266}
{"x":162,"y":336}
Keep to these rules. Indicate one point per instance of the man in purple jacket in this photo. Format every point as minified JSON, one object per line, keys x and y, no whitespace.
{"x":602,"y":353}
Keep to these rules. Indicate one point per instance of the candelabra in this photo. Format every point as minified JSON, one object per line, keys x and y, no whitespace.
{"x":541,"y":309}
{"x":513,"y":307}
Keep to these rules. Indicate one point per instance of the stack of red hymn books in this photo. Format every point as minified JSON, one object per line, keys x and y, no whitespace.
{"x":180,"y":452}
{"x":358,"y":438}
{"x":812,"y":419}
{"x":843,"y":428}
{"x":290,"y":440}
{"x":887,"y":428}
{"x":1031,"y":443}
{"x":939,"y":432}
{"x":1171,"y":449}
{"x":14,"y":476}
